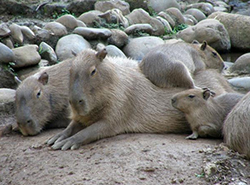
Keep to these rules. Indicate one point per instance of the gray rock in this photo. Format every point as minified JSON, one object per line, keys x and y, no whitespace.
{"x":112,"y":50}
{"x":80,"y":6}
{"x":135,"y":28}
{"x":69,"y":21}
{"x":241,"y":65}
{"x":206,"y":8}
{"x":70,"y":43}
{"x":27,"y":32}
{"x":48,"y":53}
{"x":91,"y":18}
{"x":56,"y":28}
{"x":104,"y":6}
{"x":8,"y":42}
{"x":7,"y":100}
{"x":6,"y":54}
{"x":210,"y":30}
{"x":7,"y":77}
{"x":198,"y":15}
{"x":26,"y":56}
{"x":4,"y":30}
{"x":168,"y":18}
{"x":176,"y":15}
{"x":93,"y":33}
{"x":138,"y":47}
{"x":240,"y":82}
{"x":160,"y":5}
{"x":237,"y":27}
{"x":118,"y":38}
{"x":16,"y":33}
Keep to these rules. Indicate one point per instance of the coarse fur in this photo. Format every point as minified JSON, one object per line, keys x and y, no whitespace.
{"x":205,"y":113}
{"x":173,"y":65}
{"x":236,"y":128}
{"x":42,"y":99}
{"x":107,"y":99}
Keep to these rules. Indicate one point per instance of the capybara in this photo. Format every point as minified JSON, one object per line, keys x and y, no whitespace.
{"x":107,"y":99}
{"x":42,"y":99}
{"x":172,"y":65}
{"x":236,"y":128}
{"x":205,"y":113}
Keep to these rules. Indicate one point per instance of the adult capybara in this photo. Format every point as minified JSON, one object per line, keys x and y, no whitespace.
{"x":205,"y":113}
{"x":236,"y":128}
{"x":172,"y":65}
{"x":107,"y":99}
{"x":42,"y":99}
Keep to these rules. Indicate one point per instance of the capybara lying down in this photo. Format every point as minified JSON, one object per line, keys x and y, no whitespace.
{"x":205,"y":113}
{"x":236,"y":128}
{"x":42,"y":99}
{"x":173,"y":65}
{"x":107,"y":99}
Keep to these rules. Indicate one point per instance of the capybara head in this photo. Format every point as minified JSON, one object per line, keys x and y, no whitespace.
{"x":33,"y":104}
{"x":89,"y":82}
{"x":211,"y":57}
{"x":188,"y":100}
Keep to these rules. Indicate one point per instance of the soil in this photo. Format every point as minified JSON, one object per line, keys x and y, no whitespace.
{"x":124,"y":159}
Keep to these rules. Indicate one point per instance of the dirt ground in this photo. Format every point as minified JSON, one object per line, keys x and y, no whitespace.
{"x":125,"y":159}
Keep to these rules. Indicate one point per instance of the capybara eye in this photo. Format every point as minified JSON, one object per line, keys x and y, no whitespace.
{"x":38,"y":94}
{"x":93,"y":72}
{"x":214,"y":54}
{"x":191,"y":96}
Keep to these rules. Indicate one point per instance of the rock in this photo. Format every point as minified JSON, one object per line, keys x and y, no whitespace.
{"x":7,"y":77}
{"x":135,"y":28}
{"x":241,"y":65}
{"x":160,"y":5}
{"x":104,"y":6}
{"x":190,"y":20}
{"x":138,"y":4}
{"x":4,"y":30}
{"x":210,"y":169}
{"x":112,"y":50}
{"x":56,"y":28}
{"x":27,"y":32}
{"x":139,"y":16}
{"x":69,"y":21}
{"x":6,"y":54}
{"x":168,"y":18}
{"x":8,"y":42}
{"x":48,"y":53}
{"x":26,"y":56}
{"x":236,"y":25}
{"x":80,"y":6}
{"x":210,"y":30}
{"x":93,"y":33}
{"x":118,"y":38}
{"x":240,"y":82}
{"x":16,"y":33}
{"x":198,"y":15}
{"x":7,"y":100}
{"x":165,"y":23}
{"x":176,"y":15}
{"x":115,"y":16}
{"x":91,"y":18}
{"x":70,"y":43}
{"x":206,"y":8}
{"x":138,"y":47}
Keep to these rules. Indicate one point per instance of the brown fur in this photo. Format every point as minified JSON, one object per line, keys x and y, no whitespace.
{"x":236,"y":129}
{"x":107,"y":99}
{"x":43,"y":100}
{"x":172,"y":65}
{"x":205,"y":113}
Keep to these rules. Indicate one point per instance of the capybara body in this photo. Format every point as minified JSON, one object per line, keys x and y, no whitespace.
{"x":107,"y":99}
{"x":172,"y":65}
{"x":205,"y":113}
{"x":236,"y":128}
{"x":42,"y":99}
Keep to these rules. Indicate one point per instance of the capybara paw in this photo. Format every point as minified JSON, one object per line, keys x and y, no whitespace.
{"x":55,"y":139}
{"x":66,"y":145}
{"x":193,"y":136}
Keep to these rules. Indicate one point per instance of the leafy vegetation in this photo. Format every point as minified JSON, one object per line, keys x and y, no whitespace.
{"x":8,"y":67}
{"x":64,"y":11}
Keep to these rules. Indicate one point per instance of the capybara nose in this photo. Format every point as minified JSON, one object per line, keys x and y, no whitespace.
{"x":173,"y":100}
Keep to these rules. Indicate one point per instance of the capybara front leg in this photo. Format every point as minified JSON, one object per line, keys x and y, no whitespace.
{"x":194,"y":135}
{"x":72,"y":128}
{"x":92,"y":133}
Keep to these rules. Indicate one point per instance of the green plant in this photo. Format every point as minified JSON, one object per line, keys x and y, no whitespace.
{"x":8,"y":67}
{"x":179,"y":28}
{"x":64,"y":11}
{"x":152,"y":12}
{"x":108,"y":25}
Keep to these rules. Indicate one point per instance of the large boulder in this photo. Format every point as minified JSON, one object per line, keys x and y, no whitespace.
{"x":238,"y":27}
{"x":138,"y":47}
{"x":210,"y":30}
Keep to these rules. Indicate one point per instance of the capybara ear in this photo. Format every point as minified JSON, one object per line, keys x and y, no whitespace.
{"x":195,"y":42}
{"x":17,"y":80}
{"x":44,"y":78}
{"x":206,"y":94}
{"x":204,"y":45}
{"x":101,"y":54}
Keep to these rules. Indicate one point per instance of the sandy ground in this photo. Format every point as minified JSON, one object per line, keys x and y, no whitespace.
{"x":124,"y":159}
